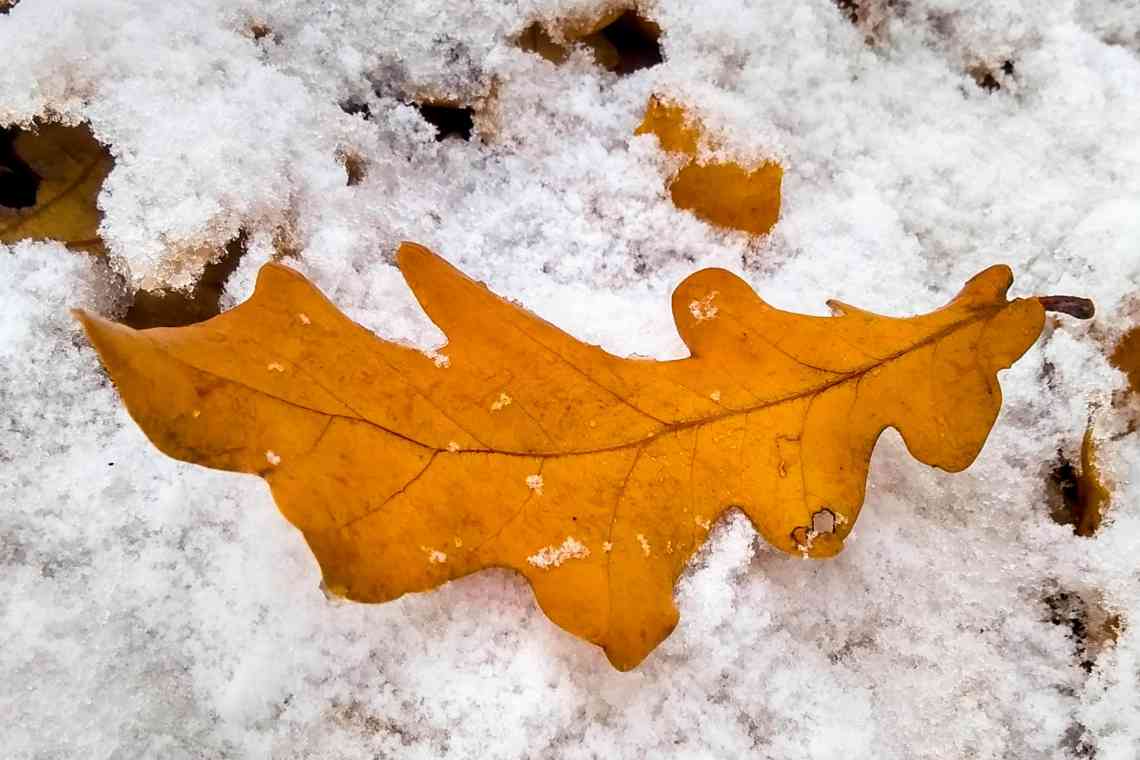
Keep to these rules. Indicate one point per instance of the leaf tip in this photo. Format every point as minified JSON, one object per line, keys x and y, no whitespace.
{"x":989,"y":285}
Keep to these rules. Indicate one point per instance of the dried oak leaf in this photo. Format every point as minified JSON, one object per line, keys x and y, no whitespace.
{"x":516,"y":445}
{"x":722,"y":193}
{"x":70,"y":165}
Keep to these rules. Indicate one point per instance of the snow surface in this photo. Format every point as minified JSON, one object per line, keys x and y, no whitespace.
{"x":156,"y":609}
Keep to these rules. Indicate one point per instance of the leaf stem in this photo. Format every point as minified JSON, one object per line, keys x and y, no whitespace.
{"x":1074,"y":306}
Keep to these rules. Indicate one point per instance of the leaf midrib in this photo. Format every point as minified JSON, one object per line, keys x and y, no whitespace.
{"x":666,"y":429}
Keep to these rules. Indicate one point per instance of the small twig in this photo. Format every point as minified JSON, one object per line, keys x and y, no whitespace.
{"x":1074,"y":306}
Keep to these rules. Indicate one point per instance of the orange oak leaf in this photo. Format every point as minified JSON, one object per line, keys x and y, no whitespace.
{"x":517,"y":446}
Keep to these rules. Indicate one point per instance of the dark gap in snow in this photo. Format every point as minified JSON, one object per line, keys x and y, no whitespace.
{"x":448,"y":120}
{"x":356,"y":108}
{"x":989,"y":79}
{"x":629,"y":43}
{"x":1079,"y":742}
{"x":1064,"y":495}
{"x":7,"y":5}
{"x":637,"y":41}
{"x":18,"y":182}
{"x":176,"y":308}
{"x":354,"y":167}
{"x":535,"y":39}
{"x":1092,"y":628}
{"x":849,"y":8}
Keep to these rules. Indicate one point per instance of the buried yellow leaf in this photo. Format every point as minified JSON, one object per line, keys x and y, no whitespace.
{"x":516,"y":445}
{"x":722,"y":193}
{"x":67,"y":167}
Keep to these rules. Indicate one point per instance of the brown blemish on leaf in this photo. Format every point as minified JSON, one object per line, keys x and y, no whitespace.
{"x":68,"y":166}
{"x":722,"y":193}
{"x":381,"y":452}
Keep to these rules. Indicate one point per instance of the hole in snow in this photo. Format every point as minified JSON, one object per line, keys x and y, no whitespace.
{"x":18,"y":183}
{"x":622,"y":40}
{"x":356,"y":108}
{"x":354,"y":168}
{"x":448,"y":120}
{"x":260,"y":31}
{"x":176,"y":308}
{"x":991,"y":79}
{"x":7,"y":5}
{"x":636,"y":41}
{"x":1092,"y":628}
{"x":1063,"y":500}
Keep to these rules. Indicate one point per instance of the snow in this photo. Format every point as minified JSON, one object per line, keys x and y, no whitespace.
{"x":554,"y":556}
{"x":153,"y":608}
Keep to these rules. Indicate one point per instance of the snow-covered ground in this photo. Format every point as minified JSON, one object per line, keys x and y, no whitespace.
{"x":156,"y":609}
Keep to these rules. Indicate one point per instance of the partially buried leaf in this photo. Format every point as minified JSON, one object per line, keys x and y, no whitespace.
{"x":1126,"y":357}
{"x":517,"y":446}
{"x":620,"y":38}
{"x":69,"y":166}
{"x":1092,"y":496}
{"x":722,"y":193}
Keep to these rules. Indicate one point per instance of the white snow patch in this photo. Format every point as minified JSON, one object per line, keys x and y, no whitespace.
{"x":704,"y":308}
{"x":534,"y":483}
{"x":553,"y":556}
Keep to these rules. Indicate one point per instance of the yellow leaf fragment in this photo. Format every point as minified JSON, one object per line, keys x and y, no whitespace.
{"x":1126,"y":357}
{"x":1092,"y":495}
{"x":600,"y":477}
{"x":722,"y":193}
{"x":71,"y":165}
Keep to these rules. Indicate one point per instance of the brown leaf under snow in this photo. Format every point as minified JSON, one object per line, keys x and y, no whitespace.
{"x":515,"y":445}
{"x":70,"y":165}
